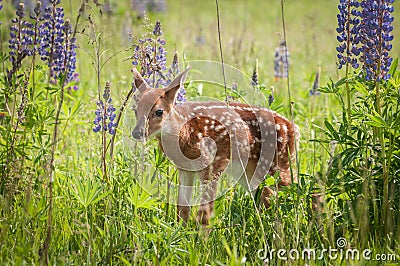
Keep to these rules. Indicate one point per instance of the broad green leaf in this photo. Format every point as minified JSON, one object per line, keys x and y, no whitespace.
{"x":333,"y":132}
{"x":376,"y":120}
{"x":393,"y":67}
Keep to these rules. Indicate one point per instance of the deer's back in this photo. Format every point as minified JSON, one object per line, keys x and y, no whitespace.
{"x":218,"y":121}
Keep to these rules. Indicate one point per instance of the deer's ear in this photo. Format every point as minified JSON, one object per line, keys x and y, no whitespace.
{"x":140,"y":83}
{"x":173,"y":87}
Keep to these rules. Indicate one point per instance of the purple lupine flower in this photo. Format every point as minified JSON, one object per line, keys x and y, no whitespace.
{"x":314,"y":89}
{"x":234,"y":89}
{"x":254,"y":77}
{"x":157,"y":29}
{"x":142,"y":6}
{"x":21,"y":40}
{"x":58,"y":44}
{"x":105,"y":113}
{"x":376,"y":38}
{"x":271,"y":99}
{"x":365,"y":32}
{"x":52,"y":35}
{"x":1,"y":7}
{"x":172,"y":72}
{"x":281,"y":61}
{"x":348,"y":33}
{"x":70,"y":55}
{"x":150,"y":55}
{"x":37,"y":17}
{"x":75,"y":78}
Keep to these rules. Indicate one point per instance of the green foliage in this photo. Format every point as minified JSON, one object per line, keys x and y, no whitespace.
{"x":363,"y":157}
{"x":128,"y":218}
{"x":87,"y":193}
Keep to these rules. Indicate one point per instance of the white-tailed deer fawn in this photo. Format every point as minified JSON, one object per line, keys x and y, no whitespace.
{"x":203,"y":139}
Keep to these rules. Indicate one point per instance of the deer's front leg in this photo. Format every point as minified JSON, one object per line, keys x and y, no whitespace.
{"x":209,"y":189}
{"x":184,"y":195}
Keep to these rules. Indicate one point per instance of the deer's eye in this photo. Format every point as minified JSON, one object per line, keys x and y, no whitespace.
{"x":159,"y":112}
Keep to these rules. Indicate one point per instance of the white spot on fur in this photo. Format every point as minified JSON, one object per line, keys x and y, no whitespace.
{"x":219,"y":127}
{"x":284,"y":127}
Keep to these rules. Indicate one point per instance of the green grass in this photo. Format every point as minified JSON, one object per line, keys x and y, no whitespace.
{"x":127,"y":221}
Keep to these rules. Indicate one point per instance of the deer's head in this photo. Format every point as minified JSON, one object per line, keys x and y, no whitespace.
{"x":154,"y":105}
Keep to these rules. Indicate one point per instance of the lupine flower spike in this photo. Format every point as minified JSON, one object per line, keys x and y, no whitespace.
{"x":313,"y":90}
{"x":52,"y":38}
{"x":172,"y":73}
{"x":348,"y":33}
{"x":271,"y":97}
{"x":150,"y":55}
{"x":37,"y":17}
{"x":281,"y":61}
{"x":69,"y":64}
{"x":234,"y":89}
{"x":57,"y":44}
{"x":376,"y":38}
{"x":21,"y":40}
{"x":105,"y":113}
{"x":364,"y":34}
{"x":254,"y":77}
{"x":1,"y":7}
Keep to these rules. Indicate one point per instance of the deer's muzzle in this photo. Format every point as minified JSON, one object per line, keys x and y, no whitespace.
{"x":138,"y":133}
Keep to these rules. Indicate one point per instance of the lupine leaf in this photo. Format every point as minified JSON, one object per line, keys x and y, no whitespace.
{"x":333,"y":132}
{"x":376,"y":121}
{"x":393,"y":67}
{"x":396,"y":122}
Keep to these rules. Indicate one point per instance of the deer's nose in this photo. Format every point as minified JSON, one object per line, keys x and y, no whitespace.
{"x":137,"y":133}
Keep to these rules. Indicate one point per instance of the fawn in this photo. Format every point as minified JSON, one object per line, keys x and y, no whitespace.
{"x":203,"y":138}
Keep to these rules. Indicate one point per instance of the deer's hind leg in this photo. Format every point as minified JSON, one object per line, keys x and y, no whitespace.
{"x":209,"y":180}
{"x":256,"y":171}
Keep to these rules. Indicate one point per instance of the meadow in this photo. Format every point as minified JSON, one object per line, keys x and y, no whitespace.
{"x":71,"y":196}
